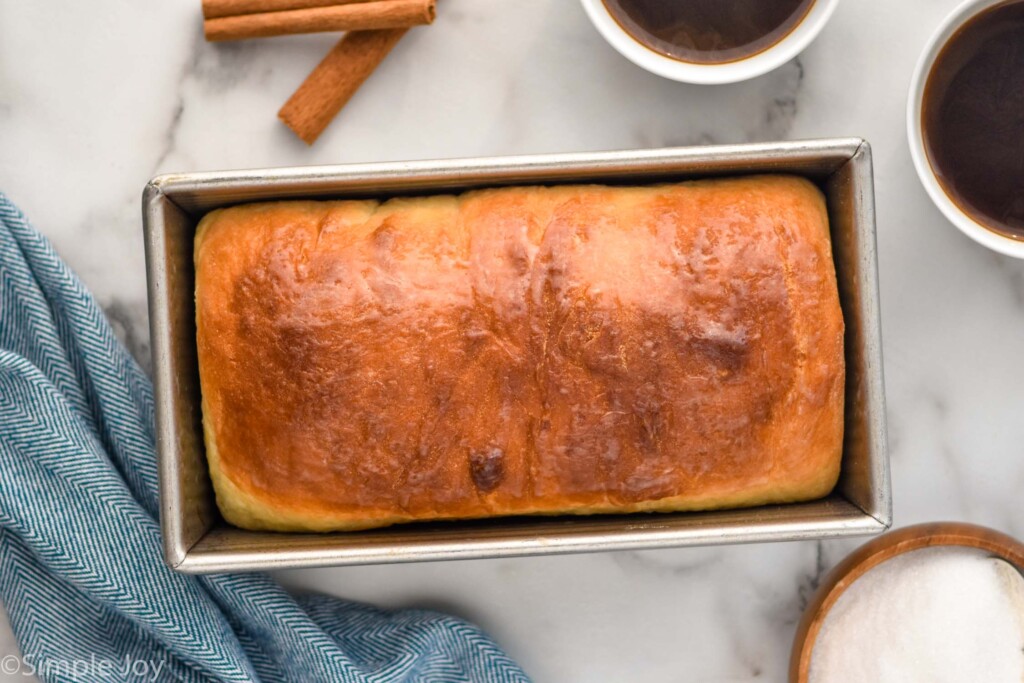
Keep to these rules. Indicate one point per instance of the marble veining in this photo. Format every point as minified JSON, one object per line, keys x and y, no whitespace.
{"x":810,"y":581}
{"x":97,"y":97}
{"x":130,"y":323}
{"x":657,"y":563}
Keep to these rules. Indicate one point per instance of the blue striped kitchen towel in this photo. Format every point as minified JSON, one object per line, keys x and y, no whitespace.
{"x":81,"y":574}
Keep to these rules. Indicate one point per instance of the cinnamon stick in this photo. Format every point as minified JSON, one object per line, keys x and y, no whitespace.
{"x":335,"y":80}
{"x":213,"y":9}
{"x":379,"y":14}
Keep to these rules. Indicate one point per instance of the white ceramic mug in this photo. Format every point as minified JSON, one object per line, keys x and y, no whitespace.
{"x":691,"y":72}
{"x":961,"y":219}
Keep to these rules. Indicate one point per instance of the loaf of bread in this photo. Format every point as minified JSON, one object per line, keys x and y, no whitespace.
{"x":526,"y":350}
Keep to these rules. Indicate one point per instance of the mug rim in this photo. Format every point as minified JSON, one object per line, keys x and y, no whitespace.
{"x":959,"y":217}
{"x":705,"y":74}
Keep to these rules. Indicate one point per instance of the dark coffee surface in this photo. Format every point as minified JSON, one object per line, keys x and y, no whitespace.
{"x":708,"y":31}
{"x":973,"y":118}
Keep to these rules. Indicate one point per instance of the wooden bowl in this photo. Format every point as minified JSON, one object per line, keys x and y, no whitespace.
{"x":876,"y":551}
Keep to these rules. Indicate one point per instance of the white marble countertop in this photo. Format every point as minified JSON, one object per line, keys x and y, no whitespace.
{"x":97,"y":97}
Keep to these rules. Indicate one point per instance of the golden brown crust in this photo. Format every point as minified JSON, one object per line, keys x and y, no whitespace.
{"x":520,"y":351}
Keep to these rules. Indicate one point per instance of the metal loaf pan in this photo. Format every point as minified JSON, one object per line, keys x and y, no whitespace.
{"x":197,"y":540}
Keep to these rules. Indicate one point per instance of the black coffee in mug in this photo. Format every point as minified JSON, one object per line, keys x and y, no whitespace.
{"x":708,"y":31}
{"x":972,"y":118}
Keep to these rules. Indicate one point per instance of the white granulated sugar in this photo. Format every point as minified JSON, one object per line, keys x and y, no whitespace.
{"x":938,"y":615}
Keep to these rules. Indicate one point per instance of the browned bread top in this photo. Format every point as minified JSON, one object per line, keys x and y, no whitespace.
{"x":520,"y":350}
